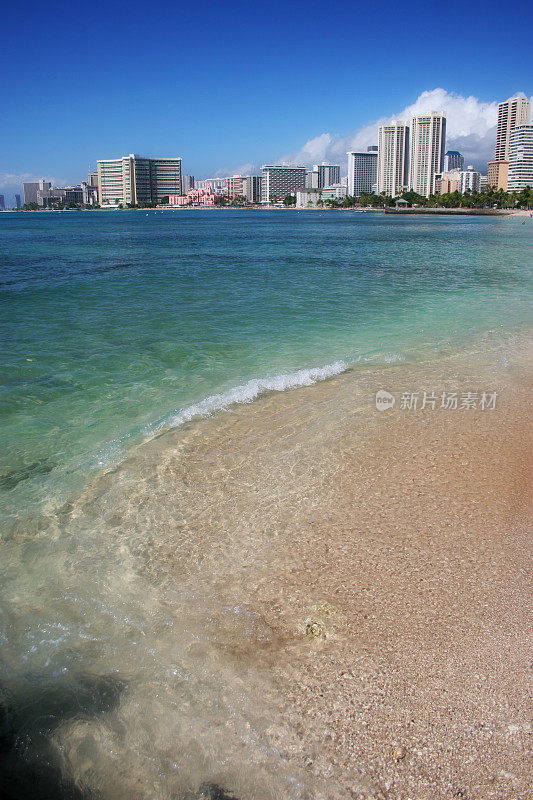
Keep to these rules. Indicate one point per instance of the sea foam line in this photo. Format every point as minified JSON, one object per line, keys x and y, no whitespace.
{"x":247,"y":392}
{"x":244,"y":393}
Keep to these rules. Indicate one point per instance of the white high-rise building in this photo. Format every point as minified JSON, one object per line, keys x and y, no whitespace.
{"x":362,"y":169}
{"x":252,"y":188}
{"x":514,"y":111}
{"x":470,"y":180}
{"x":328,"y":174}
{"x":393,"y":158}
{"x":520,"y":158}
{"x":428,"y":137}
{"x":133,"y":179}
{"x":280,"y":181}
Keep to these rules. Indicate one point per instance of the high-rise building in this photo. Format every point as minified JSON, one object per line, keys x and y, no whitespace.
{"x":36,"y":191}
{"x":453,"y":160}
{"x":311,"y":179}
{"x":393,"y":158}
{"x":514,"y":111}
{"x":428,"y":136}
{"x":362,"y":171}
{"x":92,"y":179}
{"x":520,"y":158}
{"x":252,"y":188}
{"x":187,"y":183}
{"x":448,"y":182}
{"x":234,"y":186}
{"x":281,"y":180}
{"x":2,"y":202}
{"x":497,"y":172}
{"x":18,"y":204}
{"x":133,"y":179}
{"x":328,"y":174}
{"x":470,"y":180}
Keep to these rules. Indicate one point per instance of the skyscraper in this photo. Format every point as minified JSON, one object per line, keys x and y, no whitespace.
{"x":36,"y":191}
{"x":512,"y":112}
{"x":133,"y":179}
{"x":362,"y":170}
{"x":520,"y":158}
{"x":2,"y":202}
{"x":251,"y":185}
{"x":187,"y":183}
{"x":17,"y":201}
{"x":393,"y":158}
{"x":453,"y":160}
{"x":428,"y":136}
{"x":234,"y":186}
{"x":281,"y":180}
{"x":328,"y":174}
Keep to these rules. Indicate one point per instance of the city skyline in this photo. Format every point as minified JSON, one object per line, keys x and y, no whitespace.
{"x":231,"y":111}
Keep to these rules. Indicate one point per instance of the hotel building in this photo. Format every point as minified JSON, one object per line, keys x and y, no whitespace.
{"x":514,"y":111}
{"x":497,"y":172}
{"x":328,"y":174}
{"x":133,"y":179}
{"x":362,"y":171}
{"x":428,"y":136}
{"x":393,"y":159}
{"x":453,"y":160}
{"x":279,"y":181}
{"x":520,"y":158}
{"x":251,"y":188}
{"x":234,"y":186}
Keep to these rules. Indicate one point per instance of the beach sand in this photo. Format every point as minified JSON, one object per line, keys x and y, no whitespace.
{"x":347,"y":595}
{"x":395,"y":594}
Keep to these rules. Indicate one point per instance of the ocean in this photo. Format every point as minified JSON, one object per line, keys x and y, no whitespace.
{"x":136,"y":347}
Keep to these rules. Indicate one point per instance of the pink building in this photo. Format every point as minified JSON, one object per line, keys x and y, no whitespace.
{"x":195,"y":197}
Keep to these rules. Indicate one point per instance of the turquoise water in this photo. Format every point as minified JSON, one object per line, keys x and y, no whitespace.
{"x":115,"y":324}
{"x":125,"y":592}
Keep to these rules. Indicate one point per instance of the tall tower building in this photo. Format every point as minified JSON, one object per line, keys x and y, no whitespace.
{"x":520,"y":158}
{"x":514,"y":111}
{"x":133,"y":179}
{"x":428,"y":137}
{"x":453,"y":160}
{"x":393,"y":158}
{"x":362,"y":170}
{"x":328,"y":174}
{"x":279,"y":181}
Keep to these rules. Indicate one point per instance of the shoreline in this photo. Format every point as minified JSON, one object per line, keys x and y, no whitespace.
{"x":497,"y":212}
{"x":374,"y":565}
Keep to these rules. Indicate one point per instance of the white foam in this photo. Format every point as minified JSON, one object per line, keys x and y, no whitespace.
{"x":249,"y":391}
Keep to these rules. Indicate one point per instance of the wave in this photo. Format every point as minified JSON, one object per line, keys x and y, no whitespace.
{"x":247,"y":392}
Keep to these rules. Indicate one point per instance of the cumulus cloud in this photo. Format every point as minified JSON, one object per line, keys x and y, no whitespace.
{"x":470,"y":128}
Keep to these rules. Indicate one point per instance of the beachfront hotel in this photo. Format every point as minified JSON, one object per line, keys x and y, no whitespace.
{"x":393,"y":158}
{"x":512,"y":112}
{"x":362,"y":169}
{"x":453,"y":159}
{"x":428,"y":135}
{"x":520,"y":158}
{"x":281,"y":180}
{"x":251,"y":188}
{"x":133,"y":179}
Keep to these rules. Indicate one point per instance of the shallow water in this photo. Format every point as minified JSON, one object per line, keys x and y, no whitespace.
{"x":127,"y":570}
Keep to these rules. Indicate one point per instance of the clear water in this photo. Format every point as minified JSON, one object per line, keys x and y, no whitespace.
{"x":125,"y":571}
{"x":114,"y":323}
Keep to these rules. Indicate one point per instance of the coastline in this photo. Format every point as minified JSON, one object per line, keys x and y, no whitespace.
{"x":363,"y":577}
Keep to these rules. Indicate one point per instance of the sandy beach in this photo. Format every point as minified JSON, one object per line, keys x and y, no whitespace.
{"x":393,"y":595}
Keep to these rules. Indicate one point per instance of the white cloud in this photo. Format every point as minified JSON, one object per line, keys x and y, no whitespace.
{"x":10,"y":179}
{"x":470,"y":128}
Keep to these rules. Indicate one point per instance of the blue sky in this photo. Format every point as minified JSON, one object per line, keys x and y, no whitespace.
{"x":227,"y":84}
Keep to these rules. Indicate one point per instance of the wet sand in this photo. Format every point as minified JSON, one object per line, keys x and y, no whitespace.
{"x":303,"y":597}
{"x":394,"y":584}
